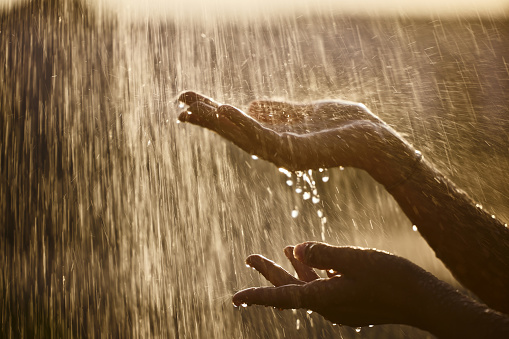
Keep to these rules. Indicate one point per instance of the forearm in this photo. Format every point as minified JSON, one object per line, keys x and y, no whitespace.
{"x":453,"y":315}
{"x":470,"y":242}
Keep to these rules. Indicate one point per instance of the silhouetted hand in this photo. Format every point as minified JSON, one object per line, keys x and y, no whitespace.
{"x":364,"y":287}
{"x":367,"y":286}
{"x":299,"y":136}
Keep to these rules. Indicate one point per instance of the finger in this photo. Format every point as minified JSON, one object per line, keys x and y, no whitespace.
{"x":207,"y":116}
{"x":191,"y":97}
{"x":200,"y":113}
{"x":254,"y":138}
{"x":332,"y":273}
{"x":343,"y":260}
{"x":274,"y":273}
{"x":304,"y":272}
{"x":237,"y":116}
{"x":278,"y":112}
{"x":284,"y":297}
{"x":204,"y":115}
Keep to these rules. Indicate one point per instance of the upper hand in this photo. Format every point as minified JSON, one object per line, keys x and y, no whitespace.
{"x":294,"y":136}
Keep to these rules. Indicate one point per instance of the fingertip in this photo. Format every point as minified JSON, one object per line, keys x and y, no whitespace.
{"x":241,"y":297}
{"x":183,"y":116}
{"x":299,"y":251}
{"x":190,"y":117}
{"x":188,"y":97}
{"x":252,"y":259}
{"x":289,"y":251}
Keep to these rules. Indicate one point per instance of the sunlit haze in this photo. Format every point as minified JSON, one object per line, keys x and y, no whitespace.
{"x":119,"y":218}
{"x":229,"y":8}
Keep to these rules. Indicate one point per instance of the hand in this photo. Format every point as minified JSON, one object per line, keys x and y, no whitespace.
{"x":296,"y":136}
{"x":364,"y":286}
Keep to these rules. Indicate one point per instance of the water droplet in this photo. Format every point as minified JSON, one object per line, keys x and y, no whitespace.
{"x":298,"y":190}
{"x":325,"y":179}
{"x":414,"y":228}
{"x":315,"y":200}
{"x":295,"y":213}
{"x":203,"y":35}
{"x":148,"y":144}
{"x":243,"y":305}
{"x":289,"y":182}
{"x":479,"y":206}
{"x":493,"y":216}
{"x":181,"y":104}
{"x":178,"y":121}
{"x":358,"y":330}
{"x":320,"y":170}
{"x":247,"y":265}
{"x":371,"y":326}
{"x":309,"y":311}
{"x":341,"y":168}
{"x":254,"y":157}
{"x":331,"y":271}
{"x":286,"y":172}
{"x":306,"y":179}
{"x":319,"y":213}
{"x":334,"y":324}
{"x":306,"y":195}
{"x":298,"y":324}
{"x":418,"y":153}
{"x":189,"y":112}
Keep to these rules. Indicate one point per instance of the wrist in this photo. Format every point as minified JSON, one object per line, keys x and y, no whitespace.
{"x":394,"y":161}
{"x":454,"y":315}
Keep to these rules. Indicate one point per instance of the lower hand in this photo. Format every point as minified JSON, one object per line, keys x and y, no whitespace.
{"x":364,"y":286}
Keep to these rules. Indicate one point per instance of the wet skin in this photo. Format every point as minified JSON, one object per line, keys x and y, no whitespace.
{"x":372,"y":287}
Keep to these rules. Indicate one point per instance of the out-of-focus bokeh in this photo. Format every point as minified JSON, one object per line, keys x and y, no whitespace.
{"x":116,"y":221}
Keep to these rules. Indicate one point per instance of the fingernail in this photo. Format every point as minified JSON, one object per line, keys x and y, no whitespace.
{"x":182,"y":117}
{"x":300,"y":251}
{"x":289,"y":252}
{"x":236,"y":300}
{"x":188,"y":97}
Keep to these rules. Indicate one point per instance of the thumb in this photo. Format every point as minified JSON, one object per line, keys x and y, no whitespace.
{"x":324,"y":256}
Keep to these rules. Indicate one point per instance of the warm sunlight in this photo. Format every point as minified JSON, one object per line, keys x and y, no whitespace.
{"x":268,"y":7}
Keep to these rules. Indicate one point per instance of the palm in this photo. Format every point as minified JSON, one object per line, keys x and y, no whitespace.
{"x":308,"y":118}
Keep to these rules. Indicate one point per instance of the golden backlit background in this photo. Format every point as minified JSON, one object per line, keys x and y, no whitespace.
{"x":117,"y":222}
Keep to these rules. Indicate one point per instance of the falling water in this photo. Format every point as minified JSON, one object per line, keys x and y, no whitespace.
{"x":116,"y":221}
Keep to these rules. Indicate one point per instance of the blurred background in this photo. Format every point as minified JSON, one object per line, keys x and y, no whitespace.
{"x":252,"y":8}
{"x":116,"y":221}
